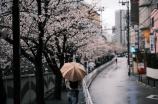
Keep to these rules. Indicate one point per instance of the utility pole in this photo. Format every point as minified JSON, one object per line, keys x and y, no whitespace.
{"x":16,"y":52}
{"x":123,"y":3}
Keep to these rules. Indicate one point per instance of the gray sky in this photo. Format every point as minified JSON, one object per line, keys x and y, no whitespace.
{"x":109,"y":13}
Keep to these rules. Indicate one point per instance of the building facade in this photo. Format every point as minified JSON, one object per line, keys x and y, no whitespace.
{"x":154,"y":30}
{"x":146,"y":7}
{"x":120,"y":25}
{"x":134,"y":14}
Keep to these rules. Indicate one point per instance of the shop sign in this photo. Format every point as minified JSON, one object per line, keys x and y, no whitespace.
{"x":141,"y":67}
{"x":151,"y":42}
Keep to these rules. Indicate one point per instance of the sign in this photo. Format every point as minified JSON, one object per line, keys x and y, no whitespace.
{"x":133,"y":55}
{"x":130,"y":59}
{"x":151,"y":42}
{"x":141,"y":67}
{"x":133,"y":49}
{"x":136,"y":39}
{"x":136,"y":46}
{"x":86,"y":59}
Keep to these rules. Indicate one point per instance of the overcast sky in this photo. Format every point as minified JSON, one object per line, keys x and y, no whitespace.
{"x":109,"y":12}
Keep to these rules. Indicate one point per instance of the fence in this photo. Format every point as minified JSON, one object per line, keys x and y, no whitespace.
{"x":28,"y":87}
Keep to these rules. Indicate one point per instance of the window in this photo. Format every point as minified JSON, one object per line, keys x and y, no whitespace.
{"x":152,"y":22}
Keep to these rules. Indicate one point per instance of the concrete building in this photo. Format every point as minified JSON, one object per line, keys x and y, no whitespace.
{"x":134,"y":14}
{"x":134,"y":21}
{"x":132,"y":37}
{"x":114,"y":36}
{"x":154,"y":29}
{"x":120,"y":24}
{"x":147,"y":6}
{"x":110,"y":37}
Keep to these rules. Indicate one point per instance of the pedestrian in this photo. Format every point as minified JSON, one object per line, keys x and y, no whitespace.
{"x":116,"y":61}
{"x":74,"y":88}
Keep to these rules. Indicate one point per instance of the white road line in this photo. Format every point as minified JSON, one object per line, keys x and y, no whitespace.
{"x":152,"y":97}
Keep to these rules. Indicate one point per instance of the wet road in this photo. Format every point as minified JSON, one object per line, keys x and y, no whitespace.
{"x":114,"y":86}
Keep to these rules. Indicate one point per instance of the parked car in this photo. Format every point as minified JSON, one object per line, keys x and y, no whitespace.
{"x":119,"y":55}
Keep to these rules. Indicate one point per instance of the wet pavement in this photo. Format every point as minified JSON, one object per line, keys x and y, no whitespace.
{"x":114,"y":86}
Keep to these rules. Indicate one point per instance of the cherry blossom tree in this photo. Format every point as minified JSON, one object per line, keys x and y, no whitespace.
{"x":52,"y":32}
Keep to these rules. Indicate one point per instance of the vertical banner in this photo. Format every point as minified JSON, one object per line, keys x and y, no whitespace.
{"x":136,"y":39}
{"x":151,"y":42}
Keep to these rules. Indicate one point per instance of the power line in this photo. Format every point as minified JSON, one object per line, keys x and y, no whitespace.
{"x":146,"y":19}
{"x":148,"y":16}
{"x":143,"y":8}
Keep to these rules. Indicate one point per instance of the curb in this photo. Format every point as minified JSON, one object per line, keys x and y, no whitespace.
{"x":155,"y":88}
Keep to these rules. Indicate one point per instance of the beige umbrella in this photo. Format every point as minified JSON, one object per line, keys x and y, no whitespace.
{"x":73,"y":71}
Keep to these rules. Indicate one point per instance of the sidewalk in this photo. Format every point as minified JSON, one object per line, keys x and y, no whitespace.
{"x":64,"y":99}
{"x":149,"y":82}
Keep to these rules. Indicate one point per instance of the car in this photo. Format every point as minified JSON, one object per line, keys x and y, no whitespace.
{"x":119,"y":55}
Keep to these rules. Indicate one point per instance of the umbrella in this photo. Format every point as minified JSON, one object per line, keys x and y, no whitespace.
{"x":92,"y":63}
{"x":91,"y":66}
{"x":73,"y":71}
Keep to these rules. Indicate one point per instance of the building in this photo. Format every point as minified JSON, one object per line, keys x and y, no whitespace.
{"x":134,"y":14}
{"x":154,"y":30}
{"x":120,"y":25}
{"x":132,"y":37}
{"x":114,"y":36}
{"x":134,"y":22}
{"x":146,"y":7}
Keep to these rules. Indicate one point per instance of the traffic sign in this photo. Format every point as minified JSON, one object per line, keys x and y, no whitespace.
{"x":132,"y":49}
{"x":86,"y":59}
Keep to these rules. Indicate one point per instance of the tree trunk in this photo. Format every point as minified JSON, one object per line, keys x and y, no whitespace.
{"x":58,"y":83}
{"x":39,"y":71}
{"x":3,"y":94}
{"x":39,"y":85}
{"x":16,"y":53}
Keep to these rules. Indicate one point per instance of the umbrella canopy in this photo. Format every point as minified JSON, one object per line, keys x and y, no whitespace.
{"x":73,"y":71}
{"x":92,"y":63}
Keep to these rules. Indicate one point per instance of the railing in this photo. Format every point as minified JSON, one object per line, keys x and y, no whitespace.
{"x":86,"y":93}
{"x":88,"y":78}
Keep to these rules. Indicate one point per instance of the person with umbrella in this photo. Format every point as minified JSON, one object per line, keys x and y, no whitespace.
{"x":73,"y":73}
{"x":75,"y":90}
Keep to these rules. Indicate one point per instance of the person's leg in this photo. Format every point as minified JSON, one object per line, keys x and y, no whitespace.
{"x":69,"y":96}
{"x":77,"y":92}
{"x":72,"y":97}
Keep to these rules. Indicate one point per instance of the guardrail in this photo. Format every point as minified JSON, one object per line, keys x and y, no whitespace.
{"x":88,"y":79}
{"x":86,"y":93}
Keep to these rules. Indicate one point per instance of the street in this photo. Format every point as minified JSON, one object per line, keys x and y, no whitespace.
{"x":114,"y":86}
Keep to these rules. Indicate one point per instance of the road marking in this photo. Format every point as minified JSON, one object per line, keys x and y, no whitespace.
{"x":153,"y":97}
